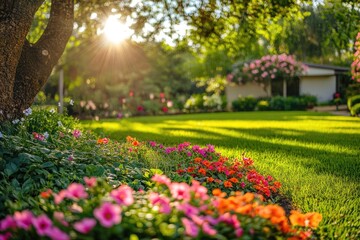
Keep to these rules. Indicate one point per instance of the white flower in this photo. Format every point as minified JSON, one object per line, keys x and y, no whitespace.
{"x":1,"y":112}
{"x":59,"y":104}
{"x":16,"y":121}
{"x":52,"y":110}
{"x":27,"y":111}
{"x":71,"y":102}
{"x":1,"y":135}
{"x":46,"y":135}
{"x":22,"y":119}
{"x":60,"y":124}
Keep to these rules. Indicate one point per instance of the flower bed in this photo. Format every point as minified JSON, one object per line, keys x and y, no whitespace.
{"x":171,"y":210}
{"x":48,"y":188}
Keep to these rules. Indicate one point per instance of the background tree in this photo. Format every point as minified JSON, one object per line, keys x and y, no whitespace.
{"x":26,"y":65}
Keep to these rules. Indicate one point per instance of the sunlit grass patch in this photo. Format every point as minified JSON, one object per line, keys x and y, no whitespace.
{"x":315,"y":155}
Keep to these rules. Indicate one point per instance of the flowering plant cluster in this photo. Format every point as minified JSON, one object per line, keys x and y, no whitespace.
{"x":207,"y":166}
{"x":267,"y":68}
{"x":171,"y":210}
{"x":355,"y":66}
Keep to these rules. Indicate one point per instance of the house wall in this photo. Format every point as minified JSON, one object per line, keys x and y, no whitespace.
{"x":323,"y":87}
{"x":233,"y":91}
{"x":319,"y":72}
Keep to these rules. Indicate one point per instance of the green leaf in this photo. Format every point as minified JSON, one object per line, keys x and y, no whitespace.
{"x":47,"y":164}
{"x":96,"y":171}
{"x":10,"y":169}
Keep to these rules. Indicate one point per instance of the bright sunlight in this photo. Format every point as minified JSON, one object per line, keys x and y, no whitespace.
{"x":115,"y":31}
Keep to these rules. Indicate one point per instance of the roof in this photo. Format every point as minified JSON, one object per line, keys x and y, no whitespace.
{"x":336,"y":68}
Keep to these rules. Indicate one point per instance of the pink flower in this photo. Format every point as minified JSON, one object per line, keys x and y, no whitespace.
{"x":84,"y":226}
{"x":208,"y":229}
{"x":58,"y":198}
{"x":7,"y":223}
{"x":239,"y":232}
{"x":108,"y":214}
{"x":180,"y":191}
{"x":23,"y":219}
{"x":190,"y":227}
{"x":188,"y":209}
{"x":76,"y":133}
{"x":123,"y":195}
{"x":161,"y":179}
{"x":5,"y":236}
{"x":200,"y":191}
{"x":38,"y":136}
{"x":42,"y":224}
{"x":59,"y":216}
{"x":56,"y":234}
{"x":76,"y":191}
{"x":90,"y":182}
{"x":163,"y":202}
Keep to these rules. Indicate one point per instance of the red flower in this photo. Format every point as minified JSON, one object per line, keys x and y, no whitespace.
{"x":46,"y":194}
{"x":202,"y":171}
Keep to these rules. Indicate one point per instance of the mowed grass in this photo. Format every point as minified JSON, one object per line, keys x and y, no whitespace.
{"x":316,"y":156}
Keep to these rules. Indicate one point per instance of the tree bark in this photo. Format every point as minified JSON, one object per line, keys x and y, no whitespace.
{"x":25,"y":67}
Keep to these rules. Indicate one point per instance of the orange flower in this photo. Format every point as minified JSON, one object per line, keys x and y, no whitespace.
{"x":46,"y":194}
{"x":202,"y":171}
{"x":233,"y":180}
{"x":190,"y":169}
{"x":314,"y":219}
{"x":305,"y":220}
{"x":228,"y":184}
{"x":206,"y":163}
{"x":102,"y":141}
{"x":198,"y":160}
{"x":210,"y":179}
{"x":135,"y":143}
{"x":277,"y":185}
{"x":232,"y":172}
{"x":129,"y":139}
{"x":218,"y":193}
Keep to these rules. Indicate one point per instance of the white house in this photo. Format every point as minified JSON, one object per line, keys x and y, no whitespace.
{"x":321,"y":81}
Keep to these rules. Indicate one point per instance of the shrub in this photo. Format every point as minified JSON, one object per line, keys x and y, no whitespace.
{"x":309,"y":100}
{"x":263,"y":105}
{"x":353,"y":101}
{"x":355,"y":109}
{"x":195,"y":102}
{"x":277,"y":103}
{"x":244,"y":104}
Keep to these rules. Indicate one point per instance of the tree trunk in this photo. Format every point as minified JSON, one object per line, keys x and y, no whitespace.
{"x":25,"y":67}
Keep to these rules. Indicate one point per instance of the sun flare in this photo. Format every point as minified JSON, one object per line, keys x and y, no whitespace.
{"x":115,"y":31}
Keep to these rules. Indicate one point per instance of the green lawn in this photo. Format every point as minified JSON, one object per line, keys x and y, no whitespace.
{"x":315,"y":155}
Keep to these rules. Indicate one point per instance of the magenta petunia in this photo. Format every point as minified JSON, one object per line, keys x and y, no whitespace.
{"x":8,"y":222}
{"x":76,"y":191}
{"x":85,"y":225}
{"x":76,"y":133}
{"x":161,"y":179}
{"x":123,"y":195}
{"x":190,"y":227}
{"x":42,"y":224}
{"x":23,"y":219}
{"x":180,"y":191}
{"x":55,"y":233}
{"x":162,"y":201}
{"x":108,"y":214}
{"x":90,"y":182}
